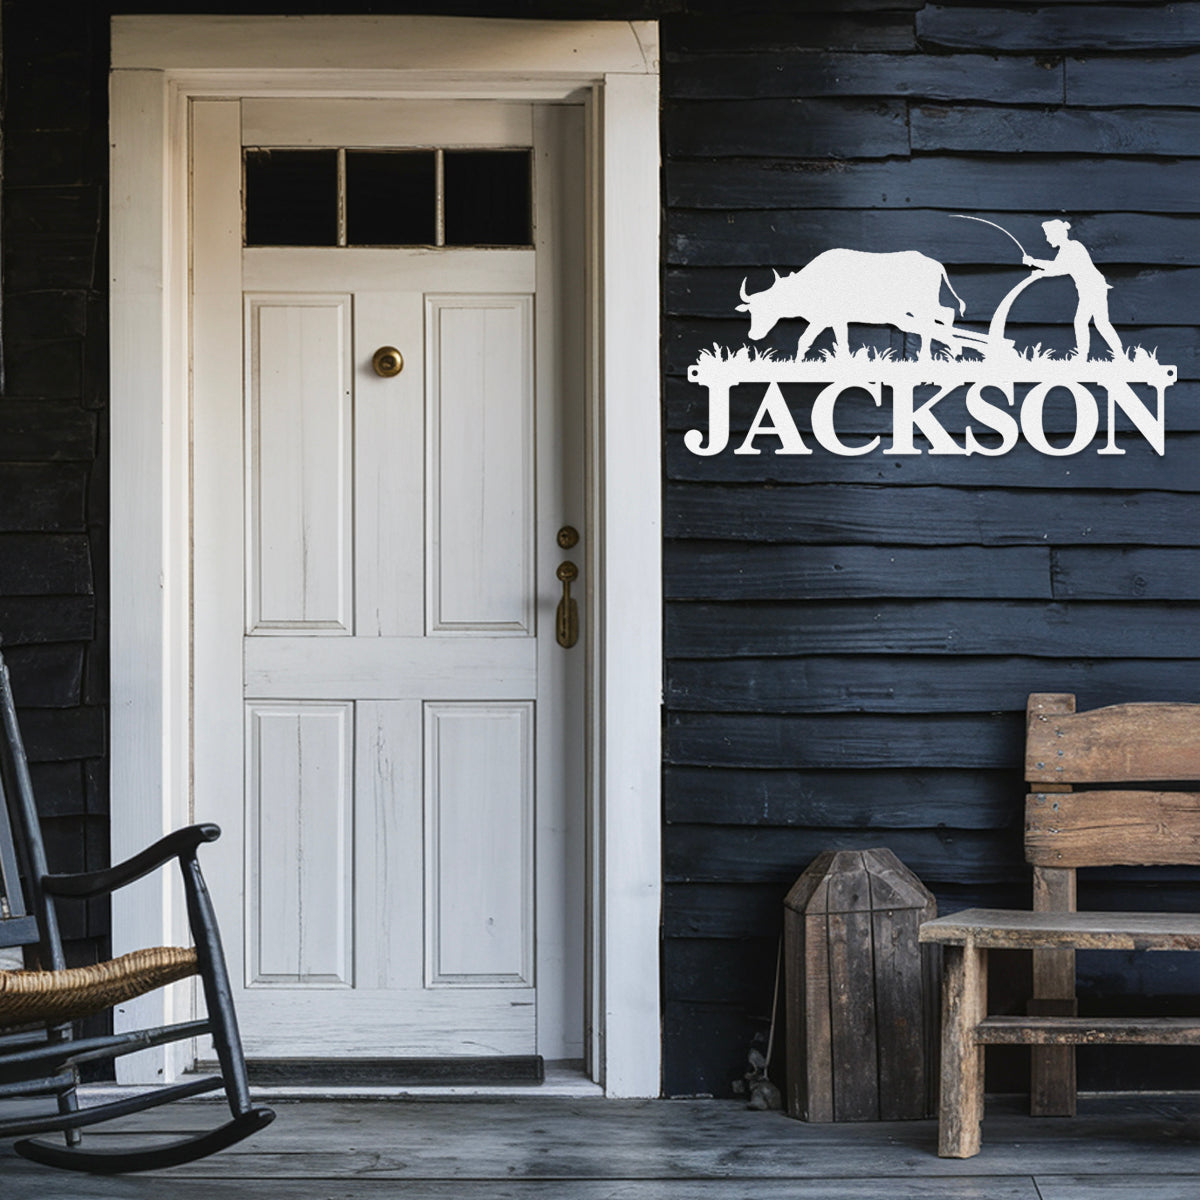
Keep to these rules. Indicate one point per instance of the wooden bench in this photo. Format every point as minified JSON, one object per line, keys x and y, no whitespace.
{"x":1116,"y":754}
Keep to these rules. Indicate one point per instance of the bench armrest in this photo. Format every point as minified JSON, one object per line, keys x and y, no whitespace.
{"x":178,"y":844}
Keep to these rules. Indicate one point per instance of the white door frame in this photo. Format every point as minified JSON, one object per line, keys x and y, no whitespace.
{"x":160,"y":63}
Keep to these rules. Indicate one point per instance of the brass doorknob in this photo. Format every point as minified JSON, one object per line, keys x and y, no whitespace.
{"x":387,"y":361}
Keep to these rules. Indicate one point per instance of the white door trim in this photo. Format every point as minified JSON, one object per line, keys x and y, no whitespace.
{"x":159,"y":64}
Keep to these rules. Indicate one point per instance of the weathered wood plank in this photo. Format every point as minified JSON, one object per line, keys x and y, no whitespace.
{"x":827,"y":513}
{"x":42,"y":497}
{"x":45,"y":430}
{"x":871,"y":683}
{"x":49,"y":676}
{"x":1091,"y":631}
{"x":41,"y":564}
{"x":852,"y":1016}
{"x":702,"y":570}
{"x":1165,"y":132}
{"x":67,"y":263}
{"x":268,"y":1187}
{"x":721,"y":970}
{"x":1138,"y":468}
{"x":1110,"y":828}
{"x":1009,"y":79}
{"x":60,"y":734}
{"x":901,"y":1005}
{"x":1128,"y":79}
{"x":810,"y":128}
{"x":53,"y":369}
{"x":788,"y":237}
{"x":818,"y":9}
{"x":963,"y":798}
{"x":724,"y":571}
{"x":1124,"y":742}
{"x":49,"y":316}
{"x":1090,"y":1031}
{"x":843,"y":740}
{"x":1127,"y":573}
{"x":54,"y":212}
{"x":1115,"y":1187}
{"x":1061,"y":28}
{"x":1012,"y":184}
{"x":788,"y":31}
{"x":1007,"y":929}
{"x":722,"y":910}
{"x":709,"y":854}
{"x":53,"y":158}
{"x":26,"y":620}
{"x":810,"y":1064}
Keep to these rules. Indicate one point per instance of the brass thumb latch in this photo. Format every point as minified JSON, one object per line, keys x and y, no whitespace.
{"x":566,"y":619}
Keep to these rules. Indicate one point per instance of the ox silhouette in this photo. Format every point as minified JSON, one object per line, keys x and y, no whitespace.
{"x":902,"y":288}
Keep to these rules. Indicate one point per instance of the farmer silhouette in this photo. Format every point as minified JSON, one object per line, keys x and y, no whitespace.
{"x":1073,"y":260}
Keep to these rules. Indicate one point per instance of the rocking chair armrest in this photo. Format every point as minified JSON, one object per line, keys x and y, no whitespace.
{"x":177,"y":844}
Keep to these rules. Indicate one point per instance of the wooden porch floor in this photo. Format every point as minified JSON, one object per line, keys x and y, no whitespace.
{"x":1135,"y":1148}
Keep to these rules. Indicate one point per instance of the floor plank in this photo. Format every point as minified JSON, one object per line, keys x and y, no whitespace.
{"x":1128,"y":1187}
{"x":534,"y":1149}
{"x":148,"y":1187}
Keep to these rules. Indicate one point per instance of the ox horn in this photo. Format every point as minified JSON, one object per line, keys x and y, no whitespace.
{"x":745,"y":294}
{"x":778,"y":277}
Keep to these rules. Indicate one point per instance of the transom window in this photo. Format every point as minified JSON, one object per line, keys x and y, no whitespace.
{"x":348,"y":197}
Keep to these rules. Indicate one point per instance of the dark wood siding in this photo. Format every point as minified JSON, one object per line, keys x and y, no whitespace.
{"x":53,"y":427}
{"x":850,"y":641}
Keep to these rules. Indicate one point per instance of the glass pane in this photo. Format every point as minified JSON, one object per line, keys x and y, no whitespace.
{"x":391,"y":198}
{"x":291,"y":197}
{"x":487,"y":198}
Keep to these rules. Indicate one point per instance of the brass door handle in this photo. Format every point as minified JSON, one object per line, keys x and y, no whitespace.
{"x":566,"y":619}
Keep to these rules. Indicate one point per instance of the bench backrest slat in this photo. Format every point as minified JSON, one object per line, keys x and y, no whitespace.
{"x":1112,"y":829}
{"x":1125,"y":743}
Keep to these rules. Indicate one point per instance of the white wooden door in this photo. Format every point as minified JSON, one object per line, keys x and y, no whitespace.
{"x":386,"y":728}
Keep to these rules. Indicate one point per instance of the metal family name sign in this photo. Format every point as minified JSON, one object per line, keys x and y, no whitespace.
{"x":1005,"y":389}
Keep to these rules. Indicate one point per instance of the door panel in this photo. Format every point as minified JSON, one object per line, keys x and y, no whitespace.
{"x":408,"y":847}
{"x":299,"y":442}
{"x":481,"y":487}
{"x":299,"y":840}
{"x":479,"y":907}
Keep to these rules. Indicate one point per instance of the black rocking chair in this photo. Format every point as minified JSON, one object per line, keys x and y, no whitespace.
{"x":38,"y":1054}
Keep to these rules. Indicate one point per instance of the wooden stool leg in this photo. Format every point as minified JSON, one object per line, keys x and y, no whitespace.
{"x":964,"y":1004}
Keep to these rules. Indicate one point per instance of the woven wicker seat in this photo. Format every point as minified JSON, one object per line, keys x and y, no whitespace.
{"x":57,"y":996}
{"x":39,"y":1055}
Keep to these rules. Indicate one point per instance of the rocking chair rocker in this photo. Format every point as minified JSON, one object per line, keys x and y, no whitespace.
{"x":38,"y":1054}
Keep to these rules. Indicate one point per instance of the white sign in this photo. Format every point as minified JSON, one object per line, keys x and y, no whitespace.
{"x":1005,"y":389}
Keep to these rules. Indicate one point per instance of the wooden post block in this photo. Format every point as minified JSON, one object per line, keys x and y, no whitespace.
{"x":860,"y":991}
